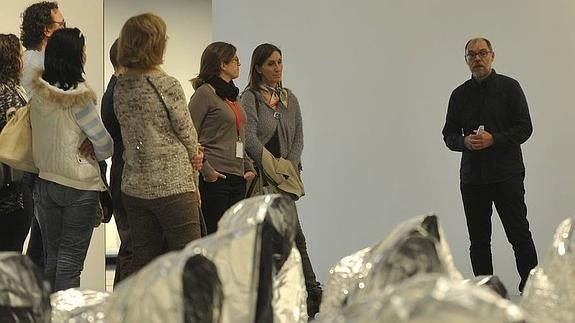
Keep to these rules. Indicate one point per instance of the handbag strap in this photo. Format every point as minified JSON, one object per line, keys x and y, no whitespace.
{"x":5,"y":176}
{"x":256,"y":99}
{"x":159,"y":94}
{"x":22,"y":94}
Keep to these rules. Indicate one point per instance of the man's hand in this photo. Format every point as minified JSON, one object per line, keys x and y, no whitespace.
{"x":478,"y":142}
{"x":86,"y":149}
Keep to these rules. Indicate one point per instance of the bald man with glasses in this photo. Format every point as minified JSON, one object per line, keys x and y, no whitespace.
{"x":487,"y":121}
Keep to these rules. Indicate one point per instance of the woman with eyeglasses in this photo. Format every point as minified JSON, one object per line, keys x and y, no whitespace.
{"x":274,"y":126}
{"x":63,"y":114}
{"x":220,"y":121}
{"x":14,"y":222}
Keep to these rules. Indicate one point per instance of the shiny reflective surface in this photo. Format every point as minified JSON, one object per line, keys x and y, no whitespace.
{"x":235,"y":250}
{"x":431,"y":298}
{"x":75,"y":305}
{"x":24,"y":294}
{"x":549,"y":295}
{"x":414,"y":247}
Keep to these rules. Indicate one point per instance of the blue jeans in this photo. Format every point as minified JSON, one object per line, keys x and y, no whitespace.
{"x":66,"y":217}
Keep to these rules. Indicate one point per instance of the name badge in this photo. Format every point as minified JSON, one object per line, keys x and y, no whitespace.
{"x":239,"y":149}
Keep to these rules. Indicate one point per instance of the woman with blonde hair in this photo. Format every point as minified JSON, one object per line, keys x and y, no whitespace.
{"x":220,"y":122}
{"x":161,"y":152}
{"x":274,"y":128}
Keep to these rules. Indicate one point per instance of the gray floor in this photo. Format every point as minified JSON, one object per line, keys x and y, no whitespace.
{"x":515,"y":298}
{"x":110,"y":278}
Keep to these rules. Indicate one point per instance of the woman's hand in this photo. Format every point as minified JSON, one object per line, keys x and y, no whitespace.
{"x":249,"y":175}
{"x":198,"y":159}
{"x":198,"y":197}
{"x":214,"y":176}
{"x":87,"y":149}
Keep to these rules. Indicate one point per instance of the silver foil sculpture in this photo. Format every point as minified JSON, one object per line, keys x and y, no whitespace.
{"x":77,"y":305}
{"x":24,"y":294}
{"x":251,"y":273}
{"x":549,"y":294}
{"x":489,"y":281}
{"x":414,"y":247}
{"x":430,"y":298}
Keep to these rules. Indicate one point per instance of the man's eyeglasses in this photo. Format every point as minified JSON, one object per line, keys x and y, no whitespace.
{"x":61,"y":24}
{"x":481,"y":54}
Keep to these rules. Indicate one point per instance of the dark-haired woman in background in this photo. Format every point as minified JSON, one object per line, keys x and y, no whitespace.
{"x":63,"y":114}
{"x":219,"y":120}
{"x":274,"y":123}
{"x":14,"y":222}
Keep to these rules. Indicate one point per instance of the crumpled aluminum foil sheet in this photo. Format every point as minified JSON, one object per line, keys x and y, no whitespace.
{"x":489,"y":281}
{"x":289,"y":296}
{"x":76,"y":305}
{"x":24,"y":294}
{"x":235,"y":251}
{"x":549,"y":294}
{"x":414,"y":247}
{"x":430,"y":298}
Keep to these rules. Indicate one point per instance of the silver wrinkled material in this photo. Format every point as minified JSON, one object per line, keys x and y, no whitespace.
{"x":156,"y":292}
{"x":491,"y":282}
{"x":430,"y":298}
{"x":549,"y":294}
{"x":77,"y":305}
{"x":414,"y":247}
{"x":289,"y":296}
{"x":289,"y":293}
{"x":235,"y":251}
{"x":24,"y":294}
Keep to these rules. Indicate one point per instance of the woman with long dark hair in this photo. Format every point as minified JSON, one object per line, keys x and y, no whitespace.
{"x":14,"y":222}
{"x":274,"y":127}
{"x":220,"y":121}
{"x":63,"y":114}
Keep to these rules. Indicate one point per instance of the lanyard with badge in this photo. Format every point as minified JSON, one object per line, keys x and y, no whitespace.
{"x":239,"y":123}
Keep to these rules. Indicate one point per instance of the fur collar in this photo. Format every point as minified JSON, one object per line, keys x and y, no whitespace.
{"x":78,"y":97}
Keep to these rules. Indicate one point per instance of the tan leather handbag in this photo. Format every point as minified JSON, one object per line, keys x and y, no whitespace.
{"x":16,"y":142}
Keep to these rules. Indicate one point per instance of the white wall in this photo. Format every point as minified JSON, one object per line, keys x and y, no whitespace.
{"x":189,"y":25}
{"x":87,"y":16}
{"x":373,"y":79}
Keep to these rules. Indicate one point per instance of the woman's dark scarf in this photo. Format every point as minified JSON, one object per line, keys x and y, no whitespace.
{"x":224,"y":89}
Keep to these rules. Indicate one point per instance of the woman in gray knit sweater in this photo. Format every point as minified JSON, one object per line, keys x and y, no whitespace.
{"x":274,"y":123}
{"x":161,"y":152}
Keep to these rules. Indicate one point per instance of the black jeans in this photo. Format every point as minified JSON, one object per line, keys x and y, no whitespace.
{"x":35,"y":246}
{"x":313,"y":287}
{"x":219,"y":196}
{"x":14,"y":226}
{"x":508,"y":197}
{"x":124,"y":259}
{"x":160,"y":225}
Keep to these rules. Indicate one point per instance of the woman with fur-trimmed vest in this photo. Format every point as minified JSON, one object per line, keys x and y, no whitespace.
{"x":63,"y":114}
